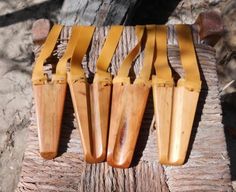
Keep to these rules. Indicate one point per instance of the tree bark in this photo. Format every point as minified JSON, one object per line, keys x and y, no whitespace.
{"x":93,"y":12}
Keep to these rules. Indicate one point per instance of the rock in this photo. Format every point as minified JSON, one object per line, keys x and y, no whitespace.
{"x":40,"y":30}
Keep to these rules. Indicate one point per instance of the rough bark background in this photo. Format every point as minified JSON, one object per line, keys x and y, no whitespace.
{"x":16,"y":58}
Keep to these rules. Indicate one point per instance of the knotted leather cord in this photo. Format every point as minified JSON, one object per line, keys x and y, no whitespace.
{"x":85,"y":36}
{"x":188,"y":59}
{"x":162,"y":68}
{"x":60,"y":75}
{"x":38,"y":76}
{"x":107,"y":53}
{"x":148,"y":56}
{"x":123,"y":72}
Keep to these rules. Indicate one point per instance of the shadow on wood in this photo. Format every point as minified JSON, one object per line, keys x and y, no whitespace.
{"x":152,"y":12}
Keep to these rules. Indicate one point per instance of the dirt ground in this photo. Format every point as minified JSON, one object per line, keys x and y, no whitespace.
{"x":16,"y":59}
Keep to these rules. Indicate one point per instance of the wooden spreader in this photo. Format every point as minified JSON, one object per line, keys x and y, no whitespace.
{"x":175,"y":106}
{"x":92,"y":101}
{"x":129,"y":102}
{"x":50,"y":94}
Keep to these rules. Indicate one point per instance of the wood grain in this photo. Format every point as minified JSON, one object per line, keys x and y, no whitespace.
{"x":99,"y":13}
{"x":49,"y":101}
{"x":163,"y":108}
{"x":127,"y":109}
{"x":174,"y":112}
{"x":92,"y":106}
{"x":184,"y":108}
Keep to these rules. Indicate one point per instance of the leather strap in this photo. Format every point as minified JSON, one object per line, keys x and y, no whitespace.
{"x":60,"y":75}
{"x":85,"y":36}
{"x":107,"y":53}
{"x":188,"y":59}
{"x":145,"y":73}
{"x":123,"y":72}
{"x":163,"y":76}
{"x":38,"y":76}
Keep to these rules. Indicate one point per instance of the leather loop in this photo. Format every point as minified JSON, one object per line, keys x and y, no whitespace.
{"x":107,"y":53}
{"x":162,"y":82}
{"x":145,"y":73}
{"x":38,"y":76}
{"x":162,"y":68}
{"x":123,"y":72}
{"x":83,"y":41}
{"x":190,"y":85}
{"x":60,"y":75}
{"x":188,"y":59}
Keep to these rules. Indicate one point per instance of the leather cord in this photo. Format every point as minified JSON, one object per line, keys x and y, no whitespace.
{"x":145,"y":73}
{"x":60,"y":75}
{"x":188,"y":59}
{"x":163,"y":76}
{"x":38,"y":76}
{"x":123,"y":72}
{"x":85,"y":36}
{"x":107,"y":53}
{"x":156,"y":36}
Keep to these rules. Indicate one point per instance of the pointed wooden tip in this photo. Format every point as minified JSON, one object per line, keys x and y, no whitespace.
{"x":92,"y":107}
{"x":100,"y":96}
{"x":116,"y":164}
{"x":90,"y":158}
{"x":48,"y":155}
{"x":128,"y":106}
{"x":49,"y":100}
